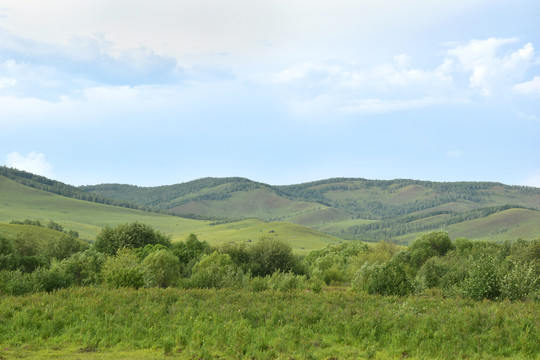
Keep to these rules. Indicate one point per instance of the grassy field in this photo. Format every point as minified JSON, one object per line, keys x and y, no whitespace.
{"x":19,"y":202}
{"x":96,"y":323}
{"x":42,"y":234}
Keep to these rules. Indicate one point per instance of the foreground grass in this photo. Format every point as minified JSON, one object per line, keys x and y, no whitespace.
{"x":98,"y":323}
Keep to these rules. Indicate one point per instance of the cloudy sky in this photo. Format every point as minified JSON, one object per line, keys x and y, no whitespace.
{"x":161,"y":92}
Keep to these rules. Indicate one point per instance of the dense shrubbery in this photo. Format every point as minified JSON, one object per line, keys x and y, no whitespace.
{"x":135,"y":255}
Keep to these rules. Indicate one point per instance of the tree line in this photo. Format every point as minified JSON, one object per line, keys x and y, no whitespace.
{"x":135,"y":255}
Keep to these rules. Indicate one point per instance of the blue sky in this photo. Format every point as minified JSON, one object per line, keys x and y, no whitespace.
{"x":282,"y":92}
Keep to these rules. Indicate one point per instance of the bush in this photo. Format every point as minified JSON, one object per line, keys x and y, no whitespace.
{"x":190,"y":252}
{"x":285,"y":281}
{"x":431,"y":272}
{"x":482,"y":281}
{"x":161,"y":268}
{"x":51,"y":279}
{"x":16,"y":283}
{"x":389,"y":279}
{"x":520,"y":281}
{"x":84,"y":268}
{"x":65,"y":247}
{"x":436,"y":243}
{"x":123,"y":270}
{"x":214,"y":271}
{"x":269,"y":255}
{"x":7,"y":258}
{"x":134,"y":235}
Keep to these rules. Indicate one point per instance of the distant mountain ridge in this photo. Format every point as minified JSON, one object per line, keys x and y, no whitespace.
{"x":352,"y":208}
{"x":349,"y":208}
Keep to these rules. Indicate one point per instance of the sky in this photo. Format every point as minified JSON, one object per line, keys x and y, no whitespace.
{"x":283,"y":92}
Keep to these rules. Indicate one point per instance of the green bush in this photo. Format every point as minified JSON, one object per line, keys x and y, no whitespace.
{"x":161,"y":268}
{"x":430,"y":274}
{"x":189,"y":252}
{"x":85,"y":267}
{"x":482,"y":281}
{"x":7,"y":258}
{"x":134,"y":235}
{"x":123,"y":270}
{"x":64,"y":247}
{"x":388,"y":279}
{"x":285,"y":281}
{"x":436,"y":243}
{"x":520,"y":281}
{"x":269,"y":255}
{"x":214,"y":271}
{"x":16,"y":282}
{"x":51,"y":279}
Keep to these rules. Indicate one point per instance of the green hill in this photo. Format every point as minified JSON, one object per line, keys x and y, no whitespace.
{"x":19,"y":202}
{"x":351,"y":208}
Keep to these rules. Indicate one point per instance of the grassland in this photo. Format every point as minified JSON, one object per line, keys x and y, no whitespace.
{"x":94,"y":323}
{"x":20,"y":202}
{"x":39,"y":233}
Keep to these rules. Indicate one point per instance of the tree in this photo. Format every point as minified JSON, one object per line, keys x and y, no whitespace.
{"x":134,"y":235}
{"x":85,"y":267}
{"x":213,"y":271}
{"x":389,"y":279}
{"x":161,"y":268}
{"x":123,"y":270}
{"x":436,"y":243}
{"x":269,"y":255}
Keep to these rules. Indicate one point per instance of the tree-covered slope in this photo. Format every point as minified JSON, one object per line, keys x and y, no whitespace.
{"x":351,"y":208}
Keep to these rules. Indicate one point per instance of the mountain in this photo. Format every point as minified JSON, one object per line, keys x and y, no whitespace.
{"x":21,"y":202}
{"x":347,"y":207}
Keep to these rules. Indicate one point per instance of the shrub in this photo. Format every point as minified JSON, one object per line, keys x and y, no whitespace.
{"x":16,"y":283}
{"x":436,"y":243}
{"x":161,"y":268}
{"x":134,"y":235}
{"x":389,"y":279}
{"x":431,"y":272}
{"x":213,"y":271}
{"x":190,"y":252}
{"x":123,"y":270}
{"x":285,"y":281}
{"x":269,"y":255}
{"x":51,"y":279}
{"x":520,"y":281}
{"x":482,"y":281}
{"x":85,"y":267}
{"x":64,"y":247}
{"x":7,"y":258}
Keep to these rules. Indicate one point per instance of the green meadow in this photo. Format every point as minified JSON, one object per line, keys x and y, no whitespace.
{"x":98,"y":323}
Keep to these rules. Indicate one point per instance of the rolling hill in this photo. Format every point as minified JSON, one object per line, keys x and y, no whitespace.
{"x":350,"y":208}
{"x":19,"y":202}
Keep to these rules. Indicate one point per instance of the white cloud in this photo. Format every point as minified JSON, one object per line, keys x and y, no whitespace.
{"x":33,"y":162}
{"x":529,"y":88}
{"x":49,"y":70}
{"x":489,"y":72}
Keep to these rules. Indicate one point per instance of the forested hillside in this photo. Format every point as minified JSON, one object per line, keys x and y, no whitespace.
{"x":351,"y":208}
